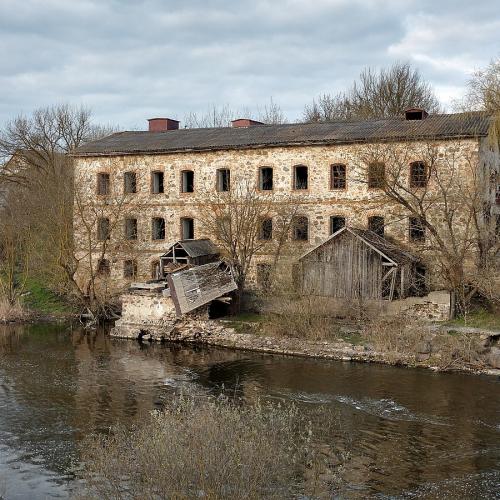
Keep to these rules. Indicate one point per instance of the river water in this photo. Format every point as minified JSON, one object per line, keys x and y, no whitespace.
{"x":408,"y":433}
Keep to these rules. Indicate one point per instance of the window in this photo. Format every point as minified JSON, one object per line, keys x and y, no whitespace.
{"x":266,"y":229}
{"x":223,"y":179}
{"x":300,"y":228}
{"x":187,"y":181}
{"x":103,"y":184}
{"x":264,"y":275}
{"x":129,"y":183}
{"x":376,"y":175}
{"x":417,"y":229}
{"x":300,"y":177}
{"x":130,"y":269}
{"x":187,"y":228}
{"x":418,"y":174}
{"x":103,"y":229}
{"x":337,"y":222}
{"x":338,"y":177}
{"x":155,"y":269}
{"x":158,"y":228}
{"x":266,"y":179}
{"x":418,"y":284}
{"x":376,"y":224}
{"x":103,"y":267}
{"x":131,"y":229}
{"x":157,"y":186}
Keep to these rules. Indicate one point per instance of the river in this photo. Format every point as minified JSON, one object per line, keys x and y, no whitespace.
{"x":408,"y":433}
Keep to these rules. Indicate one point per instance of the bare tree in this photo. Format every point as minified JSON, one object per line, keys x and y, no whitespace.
{"x":386,"y":93}
{"x":272,"y":114}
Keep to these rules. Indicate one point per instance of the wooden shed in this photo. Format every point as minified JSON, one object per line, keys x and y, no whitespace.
{"x":187,"y":253}
{"x":357,"y":263}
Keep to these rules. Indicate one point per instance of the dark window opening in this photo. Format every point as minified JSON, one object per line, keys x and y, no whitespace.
{"x":187,"y":181}
{"x":223,"y":179}
{"x":103,"y":184}
{"x":418,"y":285}
{"x":158,"y":228}
{"x":130,"y":269}
{"x":376,"y":224}
{"x":264,"y":275}
{"x":131,"y":229}
{"x":300,"y":177}
{"x":130,"y":182}
{"x":376,"y":175}
{"x":157,"y":185}
{"x":103,"y":229}
{"x":103,"y":267}
{"x":338,"y":177}
{"x":155,"y":270}
{"x":187,"y":228}
{"x":337,"y":222}
{"x":266,"y":229}
{"x":417,"y":229}
{"x":300,"y":228}
{"x":418,"y":175}
{"x":266,"y":179}
{"x":497,"y":226}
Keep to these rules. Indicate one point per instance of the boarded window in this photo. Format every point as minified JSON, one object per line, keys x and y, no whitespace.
{"x":417,"y":229}
{"x":338,"y":177}
{"x":158,"y":227}
{"x":418,"y":174}
{"x":300,"y":177}
{"x":130,"y":183}
{"x":376,"y":175}
{"x":223,"y":179}
{"x":131,"y":229}
{"x":266,"y":229}
{"x":266,"y":179}
{"x":376,"y":224}
{"x":103,"y":184}
{"x":187,"y":181}
{"x":337,"y":222}
{"x":264,"y":275}
{"x":130,"y":269}
{"x":103,"y":267}
{"x":157,"y":186}
{"x":300,"y":228}
{"x":103,"y":229}
{"x":187,"y":228}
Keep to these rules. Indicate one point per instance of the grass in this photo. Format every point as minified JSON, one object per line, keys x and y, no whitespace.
{"x":245,"y":322}
{"x":42,"y":300}
{"x":479,"y":319}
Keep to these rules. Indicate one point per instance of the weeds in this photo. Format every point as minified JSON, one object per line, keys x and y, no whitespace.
{"x":11,"y":312}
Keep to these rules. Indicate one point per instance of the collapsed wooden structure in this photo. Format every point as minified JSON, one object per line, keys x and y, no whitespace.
{"x":357,"y":263}
{"x":187,"y":253}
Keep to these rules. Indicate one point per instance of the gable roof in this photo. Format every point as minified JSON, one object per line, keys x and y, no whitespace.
{"x":392,"y":252}
{"x":445,"y":126}
{"x":195,"y":248}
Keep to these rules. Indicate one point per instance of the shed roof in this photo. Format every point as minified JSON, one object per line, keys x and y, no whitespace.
{"x":195,"y":248}
{"x":383,"y":246}
{"x":443,"y":126}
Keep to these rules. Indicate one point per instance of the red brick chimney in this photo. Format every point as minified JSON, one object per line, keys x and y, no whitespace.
{"x":244,"y":122}
{"x":162,"y":124}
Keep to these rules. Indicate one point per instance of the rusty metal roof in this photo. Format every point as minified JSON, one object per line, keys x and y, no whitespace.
{"x":445,"y":126}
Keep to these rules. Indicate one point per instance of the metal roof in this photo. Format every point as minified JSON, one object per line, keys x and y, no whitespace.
{"x":460,"y":125}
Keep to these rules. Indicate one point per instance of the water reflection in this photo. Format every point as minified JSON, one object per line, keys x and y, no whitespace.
{"x":410,"y":433}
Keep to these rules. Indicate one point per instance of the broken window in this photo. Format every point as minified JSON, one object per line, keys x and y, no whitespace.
{"x":300,"y":177}
{"x":130,"y":269}
{"x":338,"y":177}
{"x":418,"y":174}
{"x":264,"y":275}
{"x":103,"y":184}
{"x":418,"y":285}
{"x":376,"y":175}
{"x":103,"y":267}
{"x":187,"y":228}
{"x":158,"y":227}
{"x":266,"y":179}
{"x":187,"y":181}
{"x":131,"y":229}
{"x":337,"y":222}
{"x":103,"y":229}
{"x":129,"y":182}
{"x":155,"y":269}
{"x":417,"y":229}
{"x":300,"y":228}
{"x":223,"y":179}
{"x":266,"y":229}
{"x":376,"y":224}
{"x":157,"y":186}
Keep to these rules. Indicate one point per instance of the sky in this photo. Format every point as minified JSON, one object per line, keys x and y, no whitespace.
{"x":129,"y":60}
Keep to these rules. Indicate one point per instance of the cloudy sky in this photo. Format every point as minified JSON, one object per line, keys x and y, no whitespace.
{"x":130,"y":59}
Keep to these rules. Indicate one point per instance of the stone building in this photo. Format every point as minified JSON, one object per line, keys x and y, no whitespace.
{"x":138,"y":191}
